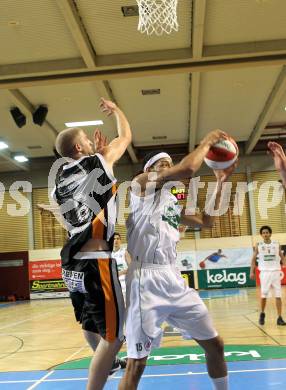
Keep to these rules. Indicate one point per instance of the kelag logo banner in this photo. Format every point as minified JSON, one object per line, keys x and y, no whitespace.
{"x":225,"y":278}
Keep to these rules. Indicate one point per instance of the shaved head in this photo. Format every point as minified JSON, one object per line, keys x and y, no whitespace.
{"x":66,"y":141}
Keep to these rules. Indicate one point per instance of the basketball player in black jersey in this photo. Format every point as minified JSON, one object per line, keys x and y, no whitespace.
{"x":85,"y":192}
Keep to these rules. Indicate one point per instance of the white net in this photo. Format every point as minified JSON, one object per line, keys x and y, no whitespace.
{"x":157,"y":16}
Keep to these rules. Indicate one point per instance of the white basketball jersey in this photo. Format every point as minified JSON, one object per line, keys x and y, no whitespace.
{"x":152,"y":227}
{"x":122,"y":265}
{"x":268,"y":256}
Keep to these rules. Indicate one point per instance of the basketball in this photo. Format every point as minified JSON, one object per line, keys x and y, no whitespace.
{"x":223,"y":154}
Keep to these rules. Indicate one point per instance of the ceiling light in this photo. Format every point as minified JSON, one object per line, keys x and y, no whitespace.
{"x":20,"y":158}
{"x":285,"y":108}
{"x":3,"y":145}
{"x":85,"y":123}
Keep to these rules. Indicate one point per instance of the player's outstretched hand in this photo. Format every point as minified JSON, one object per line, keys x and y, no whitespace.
{"x":279,"y":159}
{"x":99,"y":140}
{"x":223,"y":174}
{"x":213,"y":137}
{"x":107,"y":106}
{"x":278,"y":155}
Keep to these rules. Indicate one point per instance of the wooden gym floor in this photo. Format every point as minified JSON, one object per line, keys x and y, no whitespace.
{"x":40,"y":334}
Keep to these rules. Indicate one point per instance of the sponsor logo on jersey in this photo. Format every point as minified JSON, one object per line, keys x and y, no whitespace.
{"x":172,"y":215}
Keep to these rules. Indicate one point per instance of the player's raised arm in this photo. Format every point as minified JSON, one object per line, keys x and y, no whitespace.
{"x":204,"y":219}
{"x":279,"y":158}
{"x":115,"y":150}
{"x":186,"y":168}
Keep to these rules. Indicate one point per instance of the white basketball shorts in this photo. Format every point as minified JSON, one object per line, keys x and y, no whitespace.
{"x":157,"y":294}
{"x":270,"y":279}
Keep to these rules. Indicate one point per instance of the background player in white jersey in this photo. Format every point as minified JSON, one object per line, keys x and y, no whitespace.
{"x":122,"y":258}
{"x":269,"y":256}
{"x":156,"y":292}
{"x":85,"y":191}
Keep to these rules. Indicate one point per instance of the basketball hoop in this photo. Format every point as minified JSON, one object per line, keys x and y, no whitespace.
{"x":157,"y":16}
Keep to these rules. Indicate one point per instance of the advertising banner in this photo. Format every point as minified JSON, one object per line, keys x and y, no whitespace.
{"x":45,"y":269}
{"x":216,"y":258}
{"x":46,"y":279}
{"x":189,"y":278}
{"x":225,"y":278}
{"x":53,"y":285}
{"x":186,"y":261}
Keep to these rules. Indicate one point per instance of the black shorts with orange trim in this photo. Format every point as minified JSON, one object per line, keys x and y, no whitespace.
{"x":96,"y":293}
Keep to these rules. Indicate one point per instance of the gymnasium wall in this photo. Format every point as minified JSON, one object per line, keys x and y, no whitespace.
{"x":37,"y":273}
{"x":38,"y":175}
{"x":229,"y":272}
{"x":33,"y":228}
{"x":14,"y":279}
{"x":14,"y":229}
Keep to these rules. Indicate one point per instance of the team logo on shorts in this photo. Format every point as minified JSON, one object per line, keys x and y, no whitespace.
{"x":147,"y":345}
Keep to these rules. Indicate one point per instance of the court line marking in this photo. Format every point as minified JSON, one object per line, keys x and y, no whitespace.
{"x":33,"y":333}
{"x":262,"y":330}
{"x":206,"y":373}
{"x":43,"y":379}
{"x":28,"y":319}
{"x":75,"y":353}
{"x":143,"y":376}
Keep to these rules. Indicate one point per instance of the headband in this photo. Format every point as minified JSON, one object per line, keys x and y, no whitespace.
{"x":154,"y":159}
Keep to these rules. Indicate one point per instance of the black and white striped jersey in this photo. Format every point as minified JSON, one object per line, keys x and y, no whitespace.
{"x":85,"y":191}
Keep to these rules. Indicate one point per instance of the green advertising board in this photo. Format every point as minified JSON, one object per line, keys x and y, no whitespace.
{"x":225,"y":278}
{"x":191,"y":355}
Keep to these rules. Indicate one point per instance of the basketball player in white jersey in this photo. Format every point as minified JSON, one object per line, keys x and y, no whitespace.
{"x":123,"y":260}
{"x":85,"y":191}
{"x":269,"y":256}
{"x":156,"y":291}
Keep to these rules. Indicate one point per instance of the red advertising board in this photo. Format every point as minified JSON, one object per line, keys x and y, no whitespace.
{"x":283,"y":280}
{"x":46,"y":279}
{"x":45,"y":270}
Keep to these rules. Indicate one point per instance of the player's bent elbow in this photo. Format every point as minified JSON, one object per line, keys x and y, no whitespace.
{"x":127,"y":140}
{"x":187,"y":170}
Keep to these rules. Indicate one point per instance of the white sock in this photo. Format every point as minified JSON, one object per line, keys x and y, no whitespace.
{"x":220,"y":383}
